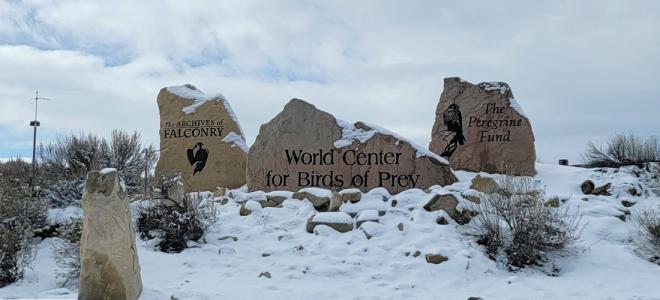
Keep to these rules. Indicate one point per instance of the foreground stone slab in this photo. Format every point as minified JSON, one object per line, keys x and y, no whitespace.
{"x":109,"y":263}
{"x":306,"y":147}
{"x":200,"y":136}
{"x":339,"y":221}
{"x":482,"y":128}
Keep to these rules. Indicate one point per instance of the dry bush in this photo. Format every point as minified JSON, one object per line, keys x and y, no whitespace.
{"x":174,"y":225}
{"x":69,"y":157}
{"x":516,"y":227}
{"x":20,"y":215}
{"x":67,"y":252}
{"x":623,"y":150}
{"x":647,"y":237}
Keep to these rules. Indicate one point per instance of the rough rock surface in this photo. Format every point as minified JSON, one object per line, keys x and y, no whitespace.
{"x":304,"y":147}
{"x":436,"y":258}
{"x":482,"y":128}
{"x":109,"y":263}
{"x":200,"y":136}
{"x":484,"y":184}
{"x":338,"y":221}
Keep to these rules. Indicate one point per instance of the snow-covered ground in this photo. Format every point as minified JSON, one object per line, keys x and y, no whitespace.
{"x":333,"y":265}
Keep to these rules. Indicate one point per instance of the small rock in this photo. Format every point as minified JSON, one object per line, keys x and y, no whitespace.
{"x":436,"y":258}
{"x":265,"y":254}
{"x":219,"y":192}
{"x":339,"y":221}
{"x":446,"y":202}
{"x":351,"y":195}
{"x":633,"y":191}
{"x":366,"y":216}
{"x":417,"y":253}
{"x":394,"y":203}
{"x":602,"y":190}
{"x":335,"y":202}
{"x":318,"y":202}
{"x":585,"y":199}
{"x":554,"y":202}
{"x":228,"y":237}
{"x":400,"y":226}
{"x":622,"y":217}
{"x":475,"y":298}
{"x":627,"y":203}
{"x":299,"y":248}
{"x":264,"y":274}
{"x":486,"y":185}
{"x":587,"y":187}
{"x":243,"y":211}
{"x":441,"y":221}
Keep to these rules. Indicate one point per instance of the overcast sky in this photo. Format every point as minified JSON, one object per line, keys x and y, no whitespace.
{"x":582,"y":70}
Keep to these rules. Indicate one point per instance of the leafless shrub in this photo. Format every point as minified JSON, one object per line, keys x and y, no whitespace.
{"x":516,"y":227}
{"x":176,"y":218}
{"x":20,"y":214}
{"x":67,"y":252}
{"x":647,"y":238}
{"x":69,"y":157}
{"x":623,"y":150}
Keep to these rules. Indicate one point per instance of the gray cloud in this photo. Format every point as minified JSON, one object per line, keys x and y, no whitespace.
{"x":581,"y":69}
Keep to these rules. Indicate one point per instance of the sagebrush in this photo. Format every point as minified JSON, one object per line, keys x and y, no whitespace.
{"x":175,"y":222}
{"x":20,"y":215}
{"x":647,"y":237}
{"x":623,"y":150}
{"x":516,"y":227}
{"x":67,"y":252}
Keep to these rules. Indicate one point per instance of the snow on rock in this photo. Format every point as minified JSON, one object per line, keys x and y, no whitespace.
{"x":236,"y":140}
{"x":189,"y":91}
{"x":391,"y":264}
{"x":368,"y":202}
{"x":107,"y":171}
{"x":332,"y":217}
{"x":317,"y":192}
{"x":350,"y":134}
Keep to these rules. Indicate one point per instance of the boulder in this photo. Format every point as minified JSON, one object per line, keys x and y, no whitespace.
{"x":339,"y":221}
{"x":482,"y":128}
{"x":200,"y":137}
{"x":109,"y":268}
{"x":484,"y":184}
{"x":306,"y":147}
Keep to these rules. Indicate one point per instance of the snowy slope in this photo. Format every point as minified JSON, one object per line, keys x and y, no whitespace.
{"x":332,"y":265}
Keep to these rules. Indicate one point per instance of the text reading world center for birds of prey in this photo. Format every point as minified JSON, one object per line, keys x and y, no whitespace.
{"x":334,"y":178}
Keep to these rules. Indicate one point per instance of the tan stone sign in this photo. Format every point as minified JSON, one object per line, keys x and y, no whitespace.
{"x":306,"y":147}
{"x":200,"y":136}
{"x":482,"y":128}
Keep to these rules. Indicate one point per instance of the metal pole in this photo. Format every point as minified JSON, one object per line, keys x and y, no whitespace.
{"x":146,"y":174}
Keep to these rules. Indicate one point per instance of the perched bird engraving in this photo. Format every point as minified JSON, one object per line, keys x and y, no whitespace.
{"x":197,"y":157}
{"x":454,"y":121}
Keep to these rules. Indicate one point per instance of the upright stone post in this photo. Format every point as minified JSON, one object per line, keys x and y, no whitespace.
{"x":109,"y":263}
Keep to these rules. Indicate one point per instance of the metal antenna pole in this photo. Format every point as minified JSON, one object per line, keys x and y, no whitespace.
{"x":35,"y":124}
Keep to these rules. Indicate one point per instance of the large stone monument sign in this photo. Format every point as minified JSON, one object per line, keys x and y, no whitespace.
{"x":306,"y":147}
{"x":200,"y":137}
{"x":482,"y":128}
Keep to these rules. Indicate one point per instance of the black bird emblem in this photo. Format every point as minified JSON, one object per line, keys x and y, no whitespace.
{"x":454,"y":121}
{"x":197,"y":157}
